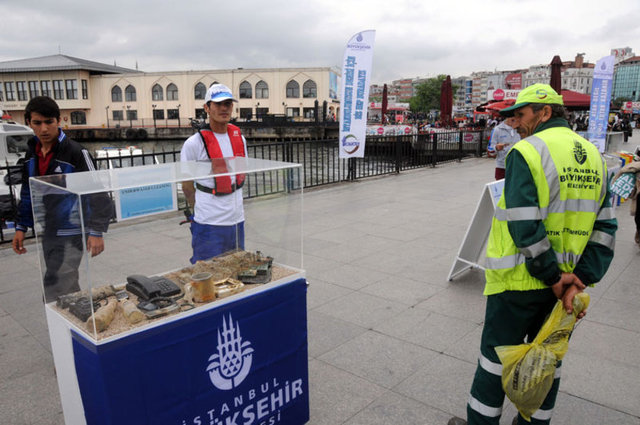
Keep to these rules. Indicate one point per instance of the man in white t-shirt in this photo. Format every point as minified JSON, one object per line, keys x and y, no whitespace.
{"x":503,"y":137}
{"x":218,"y":215}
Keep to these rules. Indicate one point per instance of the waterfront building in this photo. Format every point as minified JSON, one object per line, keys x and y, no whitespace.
{"x":403,"y":89}
{"x":536,"y":74}
{"x":92,"y":94}
{"x":479,"y":87}
{"x":460,"y":105}
{"x":626,"y":80}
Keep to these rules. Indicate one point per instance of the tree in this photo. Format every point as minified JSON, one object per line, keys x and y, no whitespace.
{"x":427,"y":95}
{"x":618,"y":101}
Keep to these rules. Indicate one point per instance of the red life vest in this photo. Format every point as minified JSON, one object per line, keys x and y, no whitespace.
{"x":222,"y":185}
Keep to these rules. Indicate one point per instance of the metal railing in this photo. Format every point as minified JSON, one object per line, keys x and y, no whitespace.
{"x":320,"y":160}
{"x":278,"y":120}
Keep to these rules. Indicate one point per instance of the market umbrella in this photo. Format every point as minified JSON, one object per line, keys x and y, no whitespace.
{"x":446,"y":102}
{"x":385,"y":104}
{"x":556,"y":74}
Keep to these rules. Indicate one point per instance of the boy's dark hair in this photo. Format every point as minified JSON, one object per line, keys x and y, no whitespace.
{"x":43,"y":105}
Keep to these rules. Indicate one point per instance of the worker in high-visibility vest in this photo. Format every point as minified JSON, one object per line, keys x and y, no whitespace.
{"x":553,"y":232}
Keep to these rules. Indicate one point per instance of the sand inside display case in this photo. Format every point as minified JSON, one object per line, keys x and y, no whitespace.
{"x":225,"y":273}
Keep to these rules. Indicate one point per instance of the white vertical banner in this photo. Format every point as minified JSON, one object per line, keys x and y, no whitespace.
{"x":354,"y":91}
{"x":600,"y":100}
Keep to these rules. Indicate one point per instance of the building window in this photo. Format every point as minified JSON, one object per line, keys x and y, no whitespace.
{"x":33,"y":89}
{"x":245,"y":91}
{"x":1,"y":98}
{"x":9,"y":90}
{"x":158,"y":114}
{"x":58,"y":89}
{"x":200,"y":91}
{"x":309,"y":89}
{"x":293,"y":89}
{"x":173,"y":114}
{"x":201,"y":114}
{"x":118,"y":115}
{"x":46,"y":88}
{"x":78,"y":117}
{"x":130,"y":93}
{"x":22,"y":90}
{"x":293,"y":112}
{"x":308,"y":112}
{"x":262,"y":91}
{"x":261,"y":112}
{"x":156,"y":92}
{"x":172,"y":92}
{"x":85,"y":89}
{"x":72,"y":89}
{"x":246,"y":113}
{"x":116,"y":94}
{"x":215,"y":82}
{"x":132,"y":114}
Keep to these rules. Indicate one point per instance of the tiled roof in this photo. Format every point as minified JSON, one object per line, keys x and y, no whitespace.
{"x":633,"y":59}
{"x":60,"y":63}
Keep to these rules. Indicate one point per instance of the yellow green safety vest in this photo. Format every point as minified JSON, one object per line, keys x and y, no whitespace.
{"x":570,"y":176}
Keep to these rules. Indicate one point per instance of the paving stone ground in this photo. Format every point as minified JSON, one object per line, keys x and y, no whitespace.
{"x":391,"y":341}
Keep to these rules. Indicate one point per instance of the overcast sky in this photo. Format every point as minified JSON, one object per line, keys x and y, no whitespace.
{"x":413,"y":37}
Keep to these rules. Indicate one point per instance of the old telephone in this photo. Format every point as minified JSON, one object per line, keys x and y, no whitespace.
{"x":147,"y":288}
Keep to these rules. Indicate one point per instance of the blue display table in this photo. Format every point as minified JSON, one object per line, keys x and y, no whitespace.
{"x":241,"y":360}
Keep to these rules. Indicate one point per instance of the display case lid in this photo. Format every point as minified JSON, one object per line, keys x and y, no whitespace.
{"x":124,"y":178}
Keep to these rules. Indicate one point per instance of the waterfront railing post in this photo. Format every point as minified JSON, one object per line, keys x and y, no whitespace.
{"x":460,"y":142}
{"x":434,"y":150}
{"x":398,"y":145}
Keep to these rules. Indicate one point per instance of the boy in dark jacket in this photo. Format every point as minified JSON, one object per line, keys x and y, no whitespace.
{"x":51,"y":152}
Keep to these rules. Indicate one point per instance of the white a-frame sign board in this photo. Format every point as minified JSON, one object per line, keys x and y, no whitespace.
{"x":478,"y":231}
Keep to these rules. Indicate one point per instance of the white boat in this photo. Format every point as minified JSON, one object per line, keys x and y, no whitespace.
{"x":13,"y":147}
{"x":122,"y":157}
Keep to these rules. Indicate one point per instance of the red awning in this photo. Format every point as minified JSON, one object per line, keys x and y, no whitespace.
{"x":495,"y":106}
{"x":574,"y":99}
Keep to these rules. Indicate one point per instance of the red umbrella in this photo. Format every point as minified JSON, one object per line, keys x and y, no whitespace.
{"x":556,"y":74}
{"x":385,"y":104}
{"x":446,"y":102}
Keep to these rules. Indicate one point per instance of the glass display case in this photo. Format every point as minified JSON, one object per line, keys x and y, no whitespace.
{"x":121,"y":288}
{"x":132,"y":212}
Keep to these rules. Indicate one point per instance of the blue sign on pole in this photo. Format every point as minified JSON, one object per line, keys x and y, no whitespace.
{"x":241,"y":363}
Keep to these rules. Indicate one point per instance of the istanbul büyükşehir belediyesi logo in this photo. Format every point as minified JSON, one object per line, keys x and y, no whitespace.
{"x":232,"y":363}
{"x":579,"y":153}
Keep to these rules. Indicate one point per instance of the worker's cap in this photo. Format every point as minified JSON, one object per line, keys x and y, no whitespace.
{"x":219,"y":93}
{"x":535,"y":93}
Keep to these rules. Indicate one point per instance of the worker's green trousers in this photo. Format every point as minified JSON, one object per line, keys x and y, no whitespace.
{"x":510,"y":317}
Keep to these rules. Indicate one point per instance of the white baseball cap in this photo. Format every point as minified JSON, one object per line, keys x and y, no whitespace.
{"x":219,"y":93}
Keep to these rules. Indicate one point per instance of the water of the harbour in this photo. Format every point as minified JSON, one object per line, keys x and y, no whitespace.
{"x":320,"y":160}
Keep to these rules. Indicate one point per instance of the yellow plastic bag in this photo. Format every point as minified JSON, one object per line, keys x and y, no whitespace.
{"x":528,"y":369}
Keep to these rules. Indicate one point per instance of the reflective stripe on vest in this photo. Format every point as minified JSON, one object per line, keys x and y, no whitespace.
{"x":222,"y":185}
{"x":576,"y":175}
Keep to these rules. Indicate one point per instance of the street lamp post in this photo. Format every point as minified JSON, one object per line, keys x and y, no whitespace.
{"x":106,"y":109}
{"x":154,"y":116}
{"x":129,"y":116}
{"x":178,"y":115}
